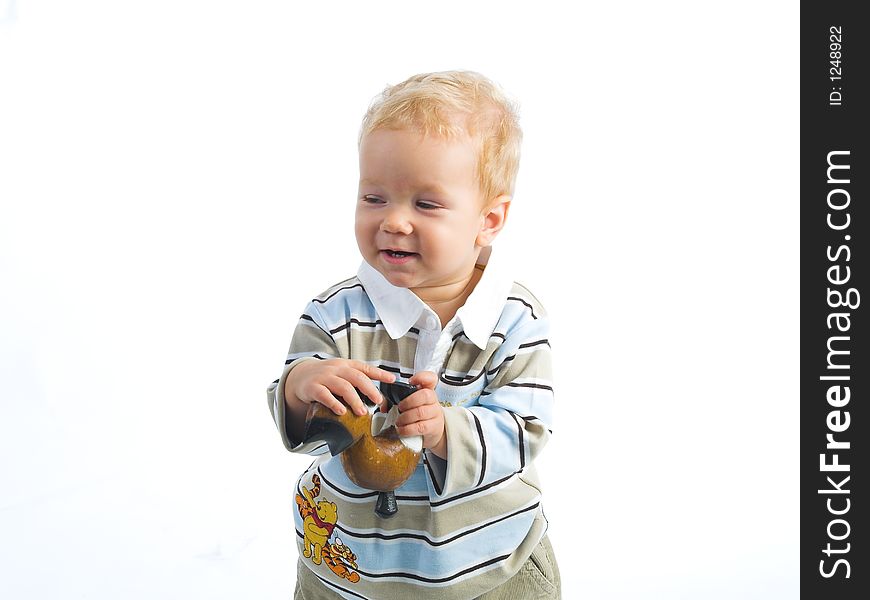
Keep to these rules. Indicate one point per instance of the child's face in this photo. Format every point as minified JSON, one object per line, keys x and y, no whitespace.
{"x":419,"y":214}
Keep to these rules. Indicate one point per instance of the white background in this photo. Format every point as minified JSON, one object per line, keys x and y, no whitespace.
{"x":177,"y":179}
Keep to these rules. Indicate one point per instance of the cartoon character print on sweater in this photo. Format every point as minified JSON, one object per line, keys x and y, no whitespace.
{"x":318,"y":523}
{"x":339,"y":557}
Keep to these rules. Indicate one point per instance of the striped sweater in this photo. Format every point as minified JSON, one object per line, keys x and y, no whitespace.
{"x":467,"y":524}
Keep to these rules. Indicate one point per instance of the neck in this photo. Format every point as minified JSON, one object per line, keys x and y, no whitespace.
{"x":445,"y":300}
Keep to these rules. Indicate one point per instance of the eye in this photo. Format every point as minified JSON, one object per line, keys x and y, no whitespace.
{"x":426,"y":205}
{"x":371,"y":200}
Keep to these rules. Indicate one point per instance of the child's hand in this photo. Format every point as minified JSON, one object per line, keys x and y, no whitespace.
{"x":317,"y":380}
{"x":422,"y":415}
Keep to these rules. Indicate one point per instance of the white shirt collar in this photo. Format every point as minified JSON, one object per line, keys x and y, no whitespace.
{"x":400,"y":308}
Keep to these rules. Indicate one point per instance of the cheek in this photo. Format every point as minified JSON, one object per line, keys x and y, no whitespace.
{"x":462,"y":234}
{"x":363,"y":237}
{"x":362,"y":224}
{"x":447,"y":242}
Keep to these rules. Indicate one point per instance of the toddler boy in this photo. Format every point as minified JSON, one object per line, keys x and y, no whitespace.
{"x":430,"y":306}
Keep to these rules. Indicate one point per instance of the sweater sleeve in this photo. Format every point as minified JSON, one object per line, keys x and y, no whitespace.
{"x":311,"y":341}
{"x":502,"y":434}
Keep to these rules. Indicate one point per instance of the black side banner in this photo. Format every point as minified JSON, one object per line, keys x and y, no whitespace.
{"x":834,"y":370}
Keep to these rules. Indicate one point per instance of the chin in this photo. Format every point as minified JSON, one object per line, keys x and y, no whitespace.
{"x":397,"y":280}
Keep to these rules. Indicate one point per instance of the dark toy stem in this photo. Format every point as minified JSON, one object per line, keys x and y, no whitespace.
{"x":386,"y":505}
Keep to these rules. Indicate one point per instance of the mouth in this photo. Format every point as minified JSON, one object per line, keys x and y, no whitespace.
{"x":397,"y":256}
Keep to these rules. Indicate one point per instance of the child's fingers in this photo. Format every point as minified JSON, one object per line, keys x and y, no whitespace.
{"x":372,"y":372}
{"x":344,"y":390}
{"x":324,"y":396}
{"x":428,"y":428}
{"x":362,"y":383}
{"x":419,"y":414}
{"x":424,"y":379}
{"x":418,"y":428}
{"x":419,"y":398}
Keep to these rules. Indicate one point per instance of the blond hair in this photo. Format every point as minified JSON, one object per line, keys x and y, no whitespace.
{"x":450,"y":104}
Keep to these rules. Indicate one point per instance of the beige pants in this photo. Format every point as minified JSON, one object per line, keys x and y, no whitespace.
{"x":537,"y":579}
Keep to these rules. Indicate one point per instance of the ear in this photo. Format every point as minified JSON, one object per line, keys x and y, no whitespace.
{"x":493,"y":221}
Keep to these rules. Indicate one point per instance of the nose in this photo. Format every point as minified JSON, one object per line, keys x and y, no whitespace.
{"x":396,"y":220}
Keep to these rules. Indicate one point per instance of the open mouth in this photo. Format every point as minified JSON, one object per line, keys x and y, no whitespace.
{"x":398,"y":257}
